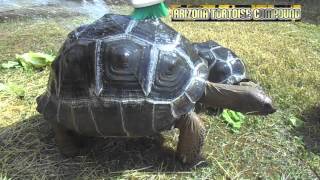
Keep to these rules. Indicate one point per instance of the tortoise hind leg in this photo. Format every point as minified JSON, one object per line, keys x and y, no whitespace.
{"x":68,"y":142}
{"x":191,"y":138}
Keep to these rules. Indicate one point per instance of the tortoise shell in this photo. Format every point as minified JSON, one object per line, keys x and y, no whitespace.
{"x":123,"y":77}
{"x":224,"y":65}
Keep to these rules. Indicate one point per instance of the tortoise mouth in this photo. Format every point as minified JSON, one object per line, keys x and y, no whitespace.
{"x":269,"y":111}
{"x":273,"y":110}
{"x":264,"y":112}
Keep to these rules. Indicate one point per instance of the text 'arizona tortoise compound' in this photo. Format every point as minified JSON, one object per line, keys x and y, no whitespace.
{"x":236,"y":12}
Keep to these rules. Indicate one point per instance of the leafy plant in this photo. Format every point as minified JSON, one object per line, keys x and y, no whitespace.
{"x":29,"y":61}
{"x":10,"y":64}
{"x":296,"y":122}
{"x":234,"y":119}
{"x":13,"y":89}
{"x":34,"y":60}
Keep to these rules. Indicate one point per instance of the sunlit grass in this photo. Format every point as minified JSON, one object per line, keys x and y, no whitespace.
{"x":283,"y":57}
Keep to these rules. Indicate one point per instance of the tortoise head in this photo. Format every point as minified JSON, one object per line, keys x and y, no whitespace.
{"x":247,"y":98}
{"x":260,"y":104}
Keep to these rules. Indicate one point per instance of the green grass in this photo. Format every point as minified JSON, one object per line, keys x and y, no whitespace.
{"x":283,"y":57}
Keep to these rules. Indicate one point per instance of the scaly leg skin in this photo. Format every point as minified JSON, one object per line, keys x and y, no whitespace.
{"x":68,"y":142}
{"x":191,"y":138}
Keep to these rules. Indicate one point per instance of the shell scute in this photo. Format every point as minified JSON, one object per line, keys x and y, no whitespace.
{"x":107,"y":118}
{"x":108,"y":25}
{"x":75,"y":71}
{"x":224,"y":65}
{"x":119,"y":68}
{"x":172,"y":75}
{"x":138,"y":125}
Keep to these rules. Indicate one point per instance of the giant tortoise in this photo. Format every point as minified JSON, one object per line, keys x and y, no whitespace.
{"x":120,"y":77}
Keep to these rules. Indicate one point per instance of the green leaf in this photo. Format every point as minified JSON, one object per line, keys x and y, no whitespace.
{"x":34,"y":60}
{"x":227,"y":118}
{"x":10,"y":64}
{"x":13,"y":89}
{"x":234,"y":116}
{"x":296,"y":122}
{"x":16,"y":90}
{"x":234,"y":119}
{"x":42,"y":56}
{"x":240,"y":115}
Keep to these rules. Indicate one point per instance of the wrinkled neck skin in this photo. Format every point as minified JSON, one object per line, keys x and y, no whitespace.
{"x":242,"y":98}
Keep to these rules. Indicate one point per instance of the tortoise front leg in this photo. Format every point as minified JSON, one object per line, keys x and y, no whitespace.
{"x":191,"y":138}
{"x":68,"y":142}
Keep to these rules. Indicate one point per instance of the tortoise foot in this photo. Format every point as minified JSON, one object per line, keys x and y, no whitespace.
{"x":69,"y":143}
{"x":191,"y":138}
